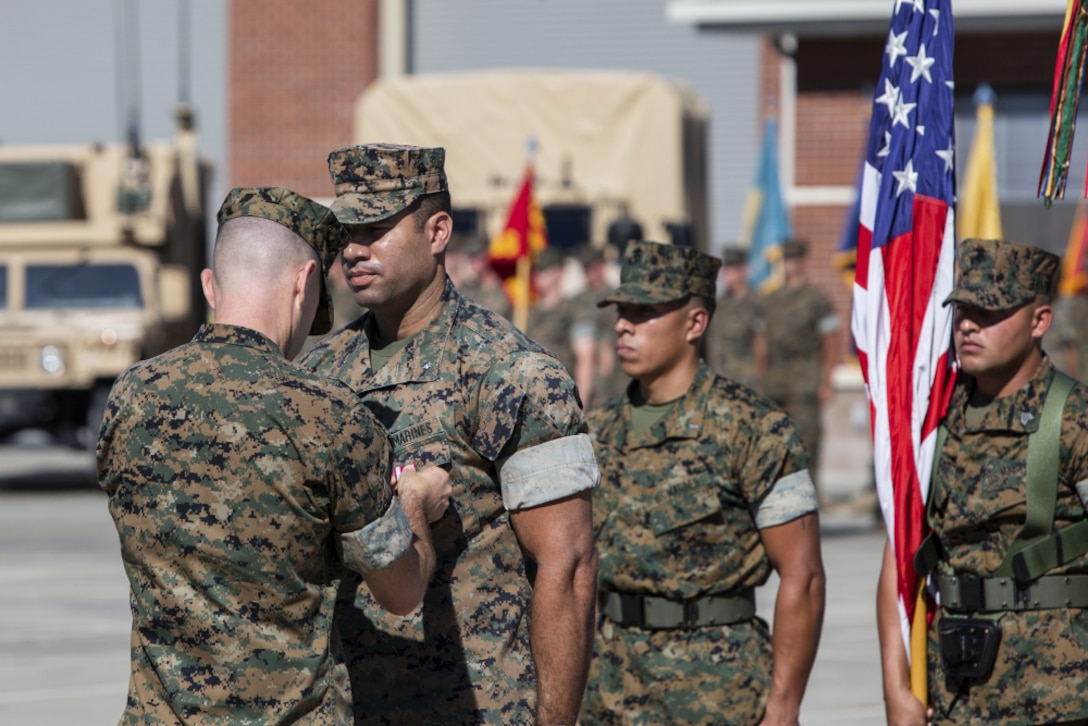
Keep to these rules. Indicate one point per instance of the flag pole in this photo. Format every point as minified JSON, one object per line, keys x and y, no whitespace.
{"x":918,"y":643}
{"x":521,"y":304}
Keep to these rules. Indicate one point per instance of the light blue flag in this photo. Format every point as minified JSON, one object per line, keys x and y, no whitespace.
{"x":767,"y":221}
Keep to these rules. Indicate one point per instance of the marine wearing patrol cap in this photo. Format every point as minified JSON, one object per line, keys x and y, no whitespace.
{"x":658,"y":273}
{"x":311,"y":221}
{"x":794,"y":249}
{"x":550,"y":257}
{"x":375,"y":181}
{"x":734,"y":257}
{"x":1000,"y":275}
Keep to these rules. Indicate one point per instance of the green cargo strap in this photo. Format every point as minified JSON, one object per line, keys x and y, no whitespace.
{"x":1044,"y":555}
{"x":929,"y":551}
{"x":1044,"y":451}
{"x":966,"y":593}
{"x":650,"y":612}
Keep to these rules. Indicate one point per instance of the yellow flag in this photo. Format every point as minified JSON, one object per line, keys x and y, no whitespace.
{"x":978,"y":213}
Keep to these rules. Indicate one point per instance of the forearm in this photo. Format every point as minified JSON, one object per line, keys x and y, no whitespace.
{"x":400,"y":587}
{"x":562,"y":637}
{"x":798,"y":620}
{"x":901,"y":706}
{"x":830,"y":360}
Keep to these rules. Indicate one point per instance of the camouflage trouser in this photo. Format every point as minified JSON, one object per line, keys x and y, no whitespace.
{"x":1040,"y":675}
{"x":804,"y":409}
{"x":711,"y":675}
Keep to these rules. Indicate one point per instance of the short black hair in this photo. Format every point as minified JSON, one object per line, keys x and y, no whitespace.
{"x":706,"y":303}
{"x":429,"y":205}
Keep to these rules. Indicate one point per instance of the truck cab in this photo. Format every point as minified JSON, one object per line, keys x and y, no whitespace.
{"x":100,"y":253}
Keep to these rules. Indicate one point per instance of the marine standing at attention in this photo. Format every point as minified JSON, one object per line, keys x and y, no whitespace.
{"x":1007,"y":553}
{"x":505,"y":631}
{"x":704,"y":491}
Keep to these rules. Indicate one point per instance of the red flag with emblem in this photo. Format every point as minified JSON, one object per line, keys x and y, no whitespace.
{"x":515,"y":248}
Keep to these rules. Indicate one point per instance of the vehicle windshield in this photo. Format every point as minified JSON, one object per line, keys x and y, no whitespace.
{"x":82,"y":285}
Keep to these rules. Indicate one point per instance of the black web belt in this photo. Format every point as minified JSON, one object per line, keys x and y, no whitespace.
{"x":651,"y":612}
{"x":968,"y":593}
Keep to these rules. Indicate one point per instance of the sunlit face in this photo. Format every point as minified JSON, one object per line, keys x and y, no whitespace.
{"x":995,"y":343}
{"x":651,"y":339}
{"x":389,"y":263}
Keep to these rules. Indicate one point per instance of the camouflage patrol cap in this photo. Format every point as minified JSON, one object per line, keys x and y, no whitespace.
{"x":375,"y":181}
{"x":472,"y":245}
{"x":794,"y":249}
{"x":311,"y":221}
{"x":734,"y":257}
{"x":999,"y":275}
{"x":550,"y":257}
{"x":658,"y":273}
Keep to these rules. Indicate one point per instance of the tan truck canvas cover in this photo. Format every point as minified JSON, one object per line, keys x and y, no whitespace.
{"x":604,"y":139}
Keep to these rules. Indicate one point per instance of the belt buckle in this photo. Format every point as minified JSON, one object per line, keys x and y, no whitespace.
{"x":691,"y":612}
{"x":970,"y":592}
{"x":631,"y":608}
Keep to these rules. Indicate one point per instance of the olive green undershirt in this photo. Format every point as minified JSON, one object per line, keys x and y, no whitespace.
{"x":380,"y":356}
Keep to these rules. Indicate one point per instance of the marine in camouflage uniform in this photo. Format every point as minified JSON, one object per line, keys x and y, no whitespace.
{"x":1071,"y":334}
{"x":458,"y":385}
{"x":799,"y":323}
{"x":979,"y":505}
{"x":240,"y":486}
{"x":737,"y":323}
{"x":479,"y":283}
{"x":551,"y":315}
{"x":702,"y":494}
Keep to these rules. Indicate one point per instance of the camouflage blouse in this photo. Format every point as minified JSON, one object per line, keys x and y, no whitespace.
{"x":1041,"y":671}
{"x":238,"y":484}
{"x":472,"y":393}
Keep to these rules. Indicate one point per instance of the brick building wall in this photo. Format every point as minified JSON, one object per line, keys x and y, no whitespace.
{"x":296,"y":71}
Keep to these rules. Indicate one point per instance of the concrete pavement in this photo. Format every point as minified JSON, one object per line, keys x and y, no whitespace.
{"x":64,"y":620}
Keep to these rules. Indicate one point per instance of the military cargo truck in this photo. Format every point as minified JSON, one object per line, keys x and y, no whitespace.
{"x":611,"y":147}
{"x":101,"y":248}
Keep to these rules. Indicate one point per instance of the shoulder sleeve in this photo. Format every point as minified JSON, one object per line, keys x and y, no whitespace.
{"x":773,"y":471}
{"x":1075,"y":442}
{"x":531,"y":425}
{"x":108,"y":436}
{"x":827,"y":320}
{"x":526,"y":400}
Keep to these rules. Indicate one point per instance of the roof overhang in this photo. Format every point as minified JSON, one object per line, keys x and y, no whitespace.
{"x":847,"y":17}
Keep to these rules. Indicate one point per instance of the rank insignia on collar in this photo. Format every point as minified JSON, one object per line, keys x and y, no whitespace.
{"x":1026,"y":418}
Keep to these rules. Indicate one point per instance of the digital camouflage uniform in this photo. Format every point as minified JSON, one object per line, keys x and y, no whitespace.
{"x":488,"y":296}
{"x":1070,"y":329}
{"x":678,"y":515}
{"x":472,"y":393}
{"x":731,"y":338}
{"x":552,"y":328}
{"x":796,"y":319}
{"x":1041,"y":672}
{"x":240,"y":485}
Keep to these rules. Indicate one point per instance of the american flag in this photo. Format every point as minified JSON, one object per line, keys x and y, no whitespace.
{"x":904,"y":270}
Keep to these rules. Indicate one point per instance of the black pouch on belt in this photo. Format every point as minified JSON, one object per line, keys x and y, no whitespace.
{"x":968,"y":645}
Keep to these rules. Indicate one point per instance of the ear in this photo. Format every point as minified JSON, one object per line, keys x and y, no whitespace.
{"x":208,"y":287}
{"x":1041,"y":319}
{"x":302,"y":282}
{"x":698,"y":319}
{"x":439,"y":228}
